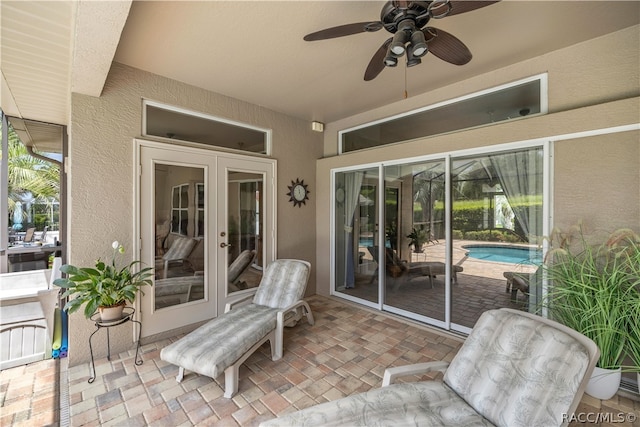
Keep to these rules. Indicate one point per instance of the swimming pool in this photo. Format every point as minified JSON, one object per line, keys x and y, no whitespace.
{"x":503,"y":253}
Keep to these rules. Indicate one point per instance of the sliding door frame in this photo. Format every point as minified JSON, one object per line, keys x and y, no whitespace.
{"x":547,"y":146}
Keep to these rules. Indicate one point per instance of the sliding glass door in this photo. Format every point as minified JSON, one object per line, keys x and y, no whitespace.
{"x":356,"y":232}
{"x":496,"y":223}
{"x":414,"y":259}
{"x":442,"y":240}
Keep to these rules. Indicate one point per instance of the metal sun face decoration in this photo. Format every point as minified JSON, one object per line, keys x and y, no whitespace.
{"x":298,"y":192}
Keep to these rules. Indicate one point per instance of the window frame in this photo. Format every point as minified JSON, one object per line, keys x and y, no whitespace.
{"x":544,"y":108}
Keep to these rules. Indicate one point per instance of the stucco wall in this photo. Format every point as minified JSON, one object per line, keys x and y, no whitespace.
{"x":101,"y":175}
{"x":594,"y":72}
{"x":592,"y":85}
{"x":597,"y":182}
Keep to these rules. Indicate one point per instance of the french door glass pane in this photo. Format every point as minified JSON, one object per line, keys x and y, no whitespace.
{"x":180,"y":239}
{"x":245,"y":206}
{"x":496,"y":229}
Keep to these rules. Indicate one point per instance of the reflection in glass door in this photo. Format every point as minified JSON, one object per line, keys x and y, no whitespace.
{"x":461,"y":236}
{"x":415,"y":253}
{"x":176,"y":219}
{"x":207,"y":225}
{"x":496,"y":224}
{"x":245,"y":225}
{"x":356,"y":230}
{"x":180,"y":237}
{"x":244,"y":213}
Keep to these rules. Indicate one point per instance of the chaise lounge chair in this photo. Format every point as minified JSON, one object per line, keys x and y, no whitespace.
{"x":400,"y":270}
{"x":29,"y":235}
{"x":514,"y":369}
{"x":237,"y":267}
{"x":179,"y":251}
{"x":224,"y":343}
{"x":521,"y":281}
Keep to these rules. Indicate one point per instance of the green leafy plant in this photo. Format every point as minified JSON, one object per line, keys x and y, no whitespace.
{"x":633,"y":343}
{"x":418,"y":237}
{"x":629,"y":250}
{"x":103,"y":286}
{"x":591,"y":287}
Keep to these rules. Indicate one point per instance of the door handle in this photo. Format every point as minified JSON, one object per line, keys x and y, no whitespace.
{"x":224,"y":245}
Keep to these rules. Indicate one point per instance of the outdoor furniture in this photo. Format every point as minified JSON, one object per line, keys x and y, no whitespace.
{"x":436,"y":268}
{"x":517,"y":281}
{"x":28,"y":236}
{"x":30,"y":257}
{"x":237,"y":267}
{"x":224,"y":343}
{"x":177,"y":290}
{"x":162,"y":231}
{"x":401,"y":270}
{"x":43,"y":236}
{"x":514,"y":369}
{"x":179,"y":251}
{"x":27,"y":303}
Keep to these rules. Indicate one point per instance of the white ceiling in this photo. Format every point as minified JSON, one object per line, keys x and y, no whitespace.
{"x":253,"y":50}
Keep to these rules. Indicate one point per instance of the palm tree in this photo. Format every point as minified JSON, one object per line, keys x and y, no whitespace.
{"x":30,"y":178}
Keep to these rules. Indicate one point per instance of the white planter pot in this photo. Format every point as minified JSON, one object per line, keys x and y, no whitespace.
{"x":109,"y":314}
{"x":604,"y":383}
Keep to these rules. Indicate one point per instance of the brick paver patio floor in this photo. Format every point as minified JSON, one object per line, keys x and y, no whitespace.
{"x":345,"y":352}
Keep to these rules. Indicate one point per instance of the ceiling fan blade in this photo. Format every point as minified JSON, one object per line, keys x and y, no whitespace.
{"x":458,"y":7}
{"x":376,"y":65}
{"x":344,"y":30}
{"x":446,"y":46}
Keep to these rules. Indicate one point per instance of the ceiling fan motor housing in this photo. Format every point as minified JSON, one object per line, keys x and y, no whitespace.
{"x":407,"y":20}
{"x":392,"y":16}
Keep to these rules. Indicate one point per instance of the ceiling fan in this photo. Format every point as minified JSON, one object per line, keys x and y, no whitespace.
{"x":407,"y":21}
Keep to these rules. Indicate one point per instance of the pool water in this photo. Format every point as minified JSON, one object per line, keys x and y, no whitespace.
{"x":506,"y":254}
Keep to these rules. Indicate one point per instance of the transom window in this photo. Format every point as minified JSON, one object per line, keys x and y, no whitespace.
{"x":167,"y":122}
{"x":507,"y":102}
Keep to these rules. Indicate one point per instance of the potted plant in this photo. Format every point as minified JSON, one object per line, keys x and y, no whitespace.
{"x":417,"y":238}
{"x":633,"y":341}
{"x":633,"y":329}
{"x":105,"y":288}
{"x":590,"y":287}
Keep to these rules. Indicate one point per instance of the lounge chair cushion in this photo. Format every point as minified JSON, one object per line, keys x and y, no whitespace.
{"x":535,"y":382}
{"x":216,"y":345}
{"x":280,"y":287}
{"x":407,"y":404}
{"x":239,"y":265}
{"x":180,"y":249}
{"x":514,"y":370}
{"x":224,"y":343}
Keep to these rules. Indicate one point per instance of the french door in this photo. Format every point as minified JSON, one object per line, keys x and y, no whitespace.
{"x":206,"y":225}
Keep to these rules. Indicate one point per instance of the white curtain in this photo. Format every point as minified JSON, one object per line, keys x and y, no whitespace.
{"x":352,"y":185}
{"x":520,"y":176}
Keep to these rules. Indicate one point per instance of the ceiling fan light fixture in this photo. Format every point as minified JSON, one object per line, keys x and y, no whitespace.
{"x":418,"y":46}
{"x":400,"y":38}
{"x":412,"y":60}
{"x":390,"y":61}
